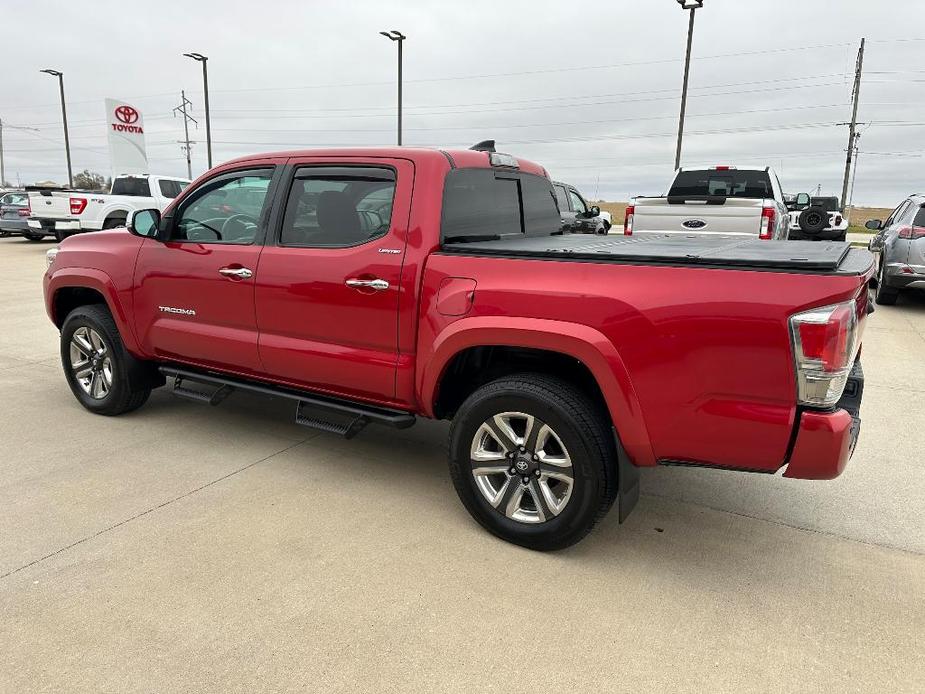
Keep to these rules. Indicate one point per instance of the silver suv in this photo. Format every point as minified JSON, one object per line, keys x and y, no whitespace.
{"x":900,"y":249}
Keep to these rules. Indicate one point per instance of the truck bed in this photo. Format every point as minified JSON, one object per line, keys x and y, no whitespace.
{"x":751,"y":254}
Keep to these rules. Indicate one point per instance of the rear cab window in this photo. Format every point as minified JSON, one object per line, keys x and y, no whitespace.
{"x":488,"y":202}
{"x":730,"y":183}
{"x":130,"y":185}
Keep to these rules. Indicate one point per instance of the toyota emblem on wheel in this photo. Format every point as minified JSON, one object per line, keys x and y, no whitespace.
{"x":126,"y":114}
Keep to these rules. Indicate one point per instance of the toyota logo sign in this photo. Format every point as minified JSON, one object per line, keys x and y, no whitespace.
{"x":126,"y":114}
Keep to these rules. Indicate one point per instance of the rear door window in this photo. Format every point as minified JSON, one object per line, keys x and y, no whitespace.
{"x":338,"y":206}
{"x":562,"y":198}
{"x":919,"y":220}
{"x":729,"y":183}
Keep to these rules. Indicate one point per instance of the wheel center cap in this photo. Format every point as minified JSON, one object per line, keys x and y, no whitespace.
{"x":524,"y":464}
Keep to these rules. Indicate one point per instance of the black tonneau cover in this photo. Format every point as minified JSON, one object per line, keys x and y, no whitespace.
{"x":806,"y":256}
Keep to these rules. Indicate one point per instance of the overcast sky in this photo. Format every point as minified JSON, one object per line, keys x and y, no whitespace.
{"x":588,"y":89}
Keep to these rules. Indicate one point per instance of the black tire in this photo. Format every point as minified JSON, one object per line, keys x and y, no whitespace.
{"x":4,"y":234}
{"x":130,"y":386}
{"x":585,"y":432}
{"x":885,"y":295}
{"x":813,"y":220}
{"x":33,"y":237}
{"x":60,"y":235}
{"x":114,"y":223}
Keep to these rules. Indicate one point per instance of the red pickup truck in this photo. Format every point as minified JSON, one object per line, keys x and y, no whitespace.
{"x":378,"y":285}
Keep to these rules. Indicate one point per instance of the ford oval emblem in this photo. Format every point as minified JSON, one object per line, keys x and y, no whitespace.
{"x":694,"y":223}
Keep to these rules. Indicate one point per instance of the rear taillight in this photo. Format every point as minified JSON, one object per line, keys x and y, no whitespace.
{"x":825,"y":344}
{"x":838,"y":219}
{"x":78,"y":205}
{"x":911,"y":232}
{"x":628,"y":220}
{"x":766,"y":230}
{"x":24,"y":211}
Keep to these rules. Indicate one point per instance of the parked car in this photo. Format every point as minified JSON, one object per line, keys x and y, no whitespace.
{"x":720,"y":200}
{"x":816,"y":219}
{"x":14,"y":208}
{"x":578,"y":217}
{"x":899,"y":246}
{"x":564,"y":362}
{"x":60,"y":212}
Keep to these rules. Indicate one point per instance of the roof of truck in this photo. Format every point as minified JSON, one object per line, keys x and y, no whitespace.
{"x":458,"y":158}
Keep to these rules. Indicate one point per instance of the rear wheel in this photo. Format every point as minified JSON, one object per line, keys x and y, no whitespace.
{"x":114,"y":222}
{"x":100,"y":372}
{"x":533,"y":461}
{"x":33,"y":237}
{"x":886,"y":295}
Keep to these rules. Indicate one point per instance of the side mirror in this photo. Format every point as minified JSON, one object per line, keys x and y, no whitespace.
{"x":595,"y":211}
{"x":802,"y":200}
{"x":145,"y":223}
{"x":873,"y":224}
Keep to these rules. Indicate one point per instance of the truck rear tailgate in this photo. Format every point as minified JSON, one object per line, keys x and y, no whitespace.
{"x":50,"y":204}
{"x":734,"y":216}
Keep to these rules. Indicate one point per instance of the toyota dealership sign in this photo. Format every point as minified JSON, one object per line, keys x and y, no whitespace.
{"x":126,"y":134}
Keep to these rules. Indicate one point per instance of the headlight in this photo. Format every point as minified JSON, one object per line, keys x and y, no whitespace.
{"x":50,"y":256}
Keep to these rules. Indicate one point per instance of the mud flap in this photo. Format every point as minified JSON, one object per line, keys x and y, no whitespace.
{"x":627,"y":481}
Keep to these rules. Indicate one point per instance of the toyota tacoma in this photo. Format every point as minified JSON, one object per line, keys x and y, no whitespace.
{"x":374,"y":286}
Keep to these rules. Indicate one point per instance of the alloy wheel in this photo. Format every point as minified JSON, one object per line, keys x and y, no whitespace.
{"x":91,"y":362}
{"x":521,"y":467}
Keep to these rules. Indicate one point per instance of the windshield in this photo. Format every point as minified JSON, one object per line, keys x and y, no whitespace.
{"x":131,"y":186}
{"x":729,"y":183}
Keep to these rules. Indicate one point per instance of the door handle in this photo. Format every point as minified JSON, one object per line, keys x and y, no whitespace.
{"x":377,"y":284}
{"x":239,"y":272}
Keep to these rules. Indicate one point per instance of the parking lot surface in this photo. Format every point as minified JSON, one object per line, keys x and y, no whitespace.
{"x":188,"y":548}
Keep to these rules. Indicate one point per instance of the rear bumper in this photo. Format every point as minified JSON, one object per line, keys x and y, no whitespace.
{"x":50,"y":226}
{"x":14,"y":226}
{"x":824,"y":235}
{"x":825,"y":440}
{"x":903,"y":276}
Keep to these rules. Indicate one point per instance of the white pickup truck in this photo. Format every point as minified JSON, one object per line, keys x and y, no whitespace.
{"x":720,"y":200}
{"x":62,"y":212}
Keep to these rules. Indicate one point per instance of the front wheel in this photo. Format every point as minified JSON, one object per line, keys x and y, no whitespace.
{"x":102,"y":375}
{"x":533,"y":461}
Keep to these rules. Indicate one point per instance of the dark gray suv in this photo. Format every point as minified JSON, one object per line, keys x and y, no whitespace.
{"x":900,"y":249}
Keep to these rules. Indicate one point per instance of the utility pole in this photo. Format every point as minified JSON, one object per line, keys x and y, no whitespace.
{"x":184,"y":102}
{"x":691,"y":6}
{"x":854,"y":175}
{"x":852,"y":126}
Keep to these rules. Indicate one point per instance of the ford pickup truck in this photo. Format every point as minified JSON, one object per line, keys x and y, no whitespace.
{"x":714,"y":201}
{"x":374,"y":286}
{"x":62,"y":212}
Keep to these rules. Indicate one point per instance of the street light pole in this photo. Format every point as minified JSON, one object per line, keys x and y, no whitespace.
{"x":199,"y":57}
{"x":67,"y":142}
{"x":399,"y":37}
{"x":691,"y":6}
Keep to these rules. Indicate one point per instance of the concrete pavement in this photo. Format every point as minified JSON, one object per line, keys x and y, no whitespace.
{"x":187,"y":548}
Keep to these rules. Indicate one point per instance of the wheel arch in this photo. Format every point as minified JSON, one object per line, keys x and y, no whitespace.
{"x":578,"y":352}
{"x":71,"y":288}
